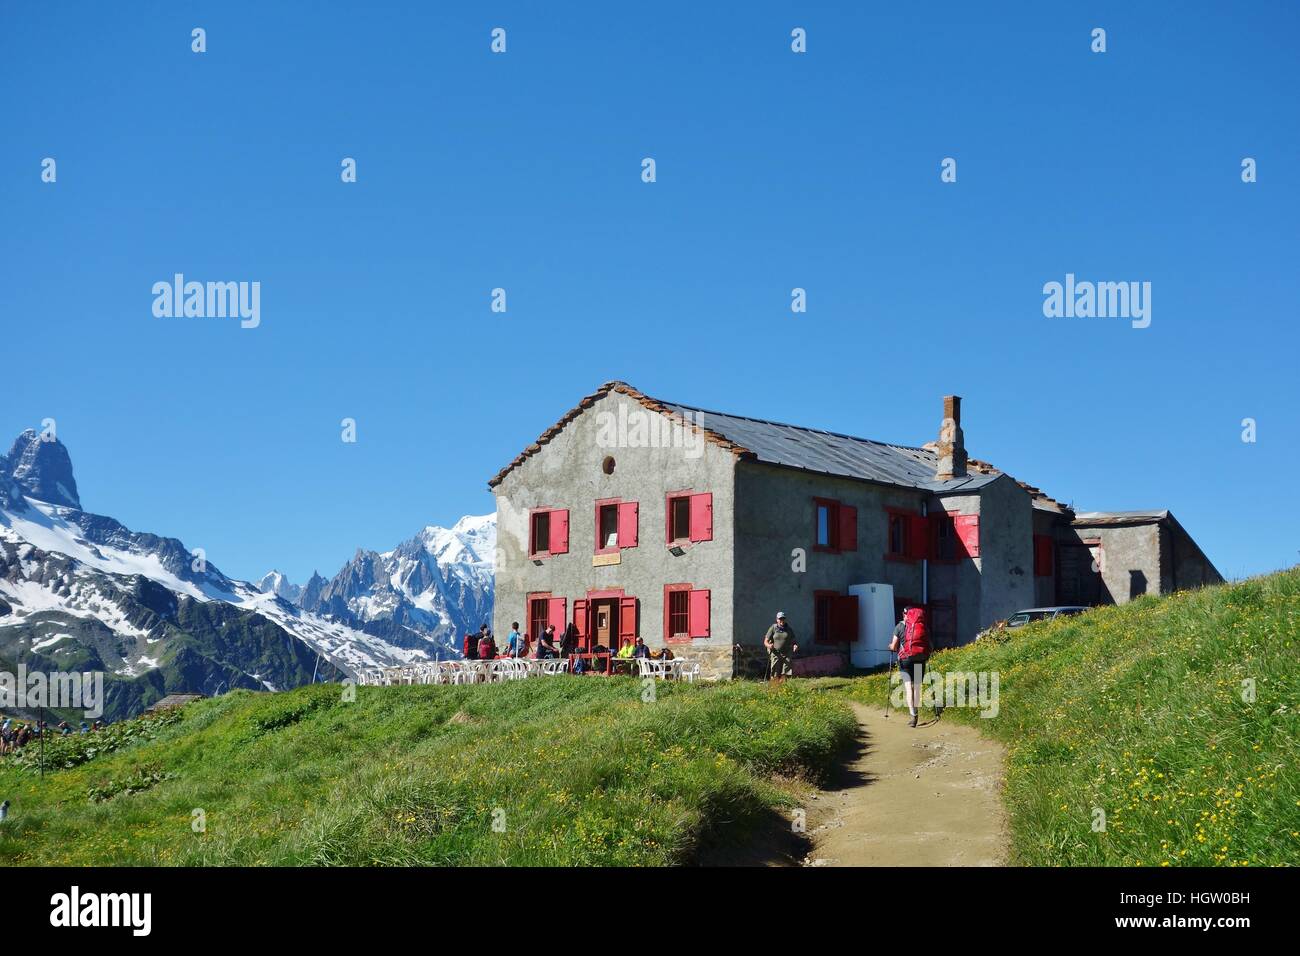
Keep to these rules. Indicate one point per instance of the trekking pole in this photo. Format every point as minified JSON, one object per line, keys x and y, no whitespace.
{"x":889,"y":683}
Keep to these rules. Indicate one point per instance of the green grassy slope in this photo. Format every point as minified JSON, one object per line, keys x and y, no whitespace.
{"x":574,"y":771}
{"x":1141,"y":711}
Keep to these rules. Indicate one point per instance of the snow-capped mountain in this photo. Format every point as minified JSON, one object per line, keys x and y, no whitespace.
{"x":273,"y":582}
{"x":437,"y":585}
{"x":81,"y":591}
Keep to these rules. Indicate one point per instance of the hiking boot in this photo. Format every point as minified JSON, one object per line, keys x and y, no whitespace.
{"x":912,"y":722}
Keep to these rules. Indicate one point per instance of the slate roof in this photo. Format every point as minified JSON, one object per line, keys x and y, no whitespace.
{"x":793,"y":446}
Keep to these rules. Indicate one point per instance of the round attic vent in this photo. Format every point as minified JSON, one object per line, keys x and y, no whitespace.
{"x":607,"y":466}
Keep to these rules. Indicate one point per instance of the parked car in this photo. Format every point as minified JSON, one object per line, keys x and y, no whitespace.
{"x":1021,"y":618}
{"x":1029,"y":616}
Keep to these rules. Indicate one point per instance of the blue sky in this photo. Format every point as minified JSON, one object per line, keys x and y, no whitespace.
{"x":522,"y":171}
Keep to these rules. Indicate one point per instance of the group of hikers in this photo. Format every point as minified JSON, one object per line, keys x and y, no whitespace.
{"x":483,"y":646}
{"x":15,"y":734}
{"x":910,"y":642}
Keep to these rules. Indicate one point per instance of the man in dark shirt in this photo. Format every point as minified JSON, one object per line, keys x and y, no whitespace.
{"x":781,"y":647}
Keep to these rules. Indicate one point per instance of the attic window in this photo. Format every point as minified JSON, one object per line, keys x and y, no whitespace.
{"x":607,"y":466}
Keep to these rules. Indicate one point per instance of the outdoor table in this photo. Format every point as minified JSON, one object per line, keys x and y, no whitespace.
{"x":616,"y":661}
{"x":590,"y":656}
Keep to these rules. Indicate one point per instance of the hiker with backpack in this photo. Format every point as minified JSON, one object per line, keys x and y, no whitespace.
{"x":487,"y":647}
{"x":912,"y":644}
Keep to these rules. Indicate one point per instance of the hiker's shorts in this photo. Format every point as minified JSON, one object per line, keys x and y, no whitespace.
{"x":912,"y":669}
{"x":782,"y":666}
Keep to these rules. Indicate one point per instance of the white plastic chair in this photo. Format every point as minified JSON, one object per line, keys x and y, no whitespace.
{"x":687,"y":670}
{"x":653,"y":668}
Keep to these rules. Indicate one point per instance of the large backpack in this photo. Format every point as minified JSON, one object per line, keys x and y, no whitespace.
{"x":916,"y":643}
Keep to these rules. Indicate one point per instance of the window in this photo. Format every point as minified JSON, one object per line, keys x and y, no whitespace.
{"x":616,"y":525}
{"x":822,"y":615}
{"x":679,"y":518}
{"x":835,"y":617}
{"x":835,"y":526}
{"x":827,"y":525}
{"x":541,"y":532}
{"x":607,"y":536}
{"x":686,"y":613}
{"x":548,"y":532}
{"x":688,"y":517}
{"x":908,"y":535}
{"x":539,"y":615}
{"x":945,"y":538}
{"x":679,"y":614}
{"x":897,"y":534}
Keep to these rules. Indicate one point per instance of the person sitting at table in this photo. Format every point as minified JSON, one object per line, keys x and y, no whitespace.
{"x":640,"y":651}
{"x":487,"y":648}
{"x":546,"y":643}
{"x":625,"y":650}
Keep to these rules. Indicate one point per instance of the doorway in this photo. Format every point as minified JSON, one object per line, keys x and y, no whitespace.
{"x":604,"y":622}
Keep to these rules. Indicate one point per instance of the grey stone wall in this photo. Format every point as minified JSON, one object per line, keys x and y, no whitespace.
{"x":568,"y":473}
{"x":1006,"y":550}
{"x":775,"y":515}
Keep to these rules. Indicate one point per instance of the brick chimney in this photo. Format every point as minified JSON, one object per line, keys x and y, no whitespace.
{"x":951,"y":447}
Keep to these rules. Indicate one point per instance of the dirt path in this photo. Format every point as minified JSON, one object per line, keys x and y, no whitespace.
{"x":923,"y":797}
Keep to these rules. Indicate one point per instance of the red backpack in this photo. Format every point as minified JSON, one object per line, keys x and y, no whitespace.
{"x":916,"y":643}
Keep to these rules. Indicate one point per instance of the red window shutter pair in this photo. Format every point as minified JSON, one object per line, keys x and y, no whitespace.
{"x":697,"y":611}
{"x":626,"y":529}
{"x":968,"y":535}
{"x":557,"y":541}
{"x":842,"y":525}
{"x":700,"y":518}
{"x":1043,"y":555}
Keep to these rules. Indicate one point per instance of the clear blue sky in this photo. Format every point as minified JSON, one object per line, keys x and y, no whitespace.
{"x":522,"y":170}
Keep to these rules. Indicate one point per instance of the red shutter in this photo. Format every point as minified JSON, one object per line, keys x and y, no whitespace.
{"x":699,"y":613}
{"x":626,"y":618}
{"x":668,"y":520}
{"x":702,"y":517}
{"x":968,"y":534}
{"x":848,"y":528}
{"x":580,"y":619}
{"x":557,"y":615}
{"x":844,"y":618}
{"x":559,"y":543}
{"x":627,"y":522}
{"x":918,"y":537}
{"x":1043,"y":555}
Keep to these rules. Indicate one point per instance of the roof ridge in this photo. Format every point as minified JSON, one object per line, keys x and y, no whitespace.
{"x":802,"y":428}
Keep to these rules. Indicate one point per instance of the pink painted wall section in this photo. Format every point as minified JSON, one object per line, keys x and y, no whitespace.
{"x":819,"y":665}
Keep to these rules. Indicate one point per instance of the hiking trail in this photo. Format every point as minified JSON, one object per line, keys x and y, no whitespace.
{"x":929,"y":796}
